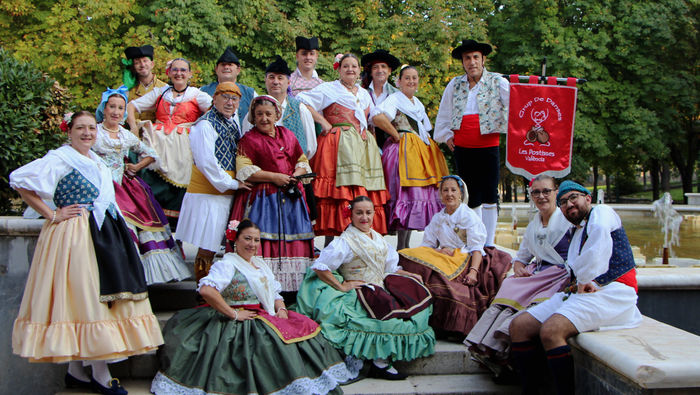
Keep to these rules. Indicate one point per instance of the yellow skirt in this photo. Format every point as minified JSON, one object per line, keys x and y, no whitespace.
{"x":61,"y":319}
{"x":420,"y":165}
{"x":448,"y":266}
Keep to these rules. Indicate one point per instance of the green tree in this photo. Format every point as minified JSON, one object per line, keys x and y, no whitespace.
{"x":33,"y":105}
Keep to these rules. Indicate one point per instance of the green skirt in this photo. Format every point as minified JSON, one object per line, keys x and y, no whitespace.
{"x":346,"y":324}
{"x":206,"y":352}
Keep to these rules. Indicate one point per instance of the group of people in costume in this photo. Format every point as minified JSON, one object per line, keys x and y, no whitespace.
{"x":262,"y":175}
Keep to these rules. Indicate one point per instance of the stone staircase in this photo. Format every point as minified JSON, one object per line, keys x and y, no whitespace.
{"x":448,"y":371}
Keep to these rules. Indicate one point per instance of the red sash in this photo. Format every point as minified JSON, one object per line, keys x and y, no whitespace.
{"x":469,"y":134}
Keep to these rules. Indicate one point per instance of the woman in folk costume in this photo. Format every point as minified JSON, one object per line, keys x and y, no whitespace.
{"x":160,"y":255}
{"x":85,"y":297}
{"x":546,"y":239}
{"x":367,"y":306}
{"x":460,"y":272}
{"x":244,"y":341}
{"x":413,"y":162}
{"x":270,"y":157}
{"x":177,"y":107}
{"x":207,"y":203}
{"x":347,"y":161}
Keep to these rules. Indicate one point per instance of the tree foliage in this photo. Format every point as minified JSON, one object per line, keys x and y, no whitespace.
{"x":640,"y":58}
{"x":33,"y":105}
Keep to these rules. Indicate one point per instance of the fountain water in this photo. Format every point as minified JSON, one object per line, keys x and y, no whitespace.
{"x":670,"y":222}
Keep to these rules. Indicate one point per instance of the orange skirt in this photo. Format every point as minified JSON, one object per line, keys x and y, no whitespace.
{"x":331,"y":198}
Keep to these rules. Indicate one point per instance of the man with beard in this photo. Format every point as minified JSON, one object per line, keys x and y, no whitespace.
{"x":228,"y":67}
{"x":602,"y":294}
{"x":139,"y":77}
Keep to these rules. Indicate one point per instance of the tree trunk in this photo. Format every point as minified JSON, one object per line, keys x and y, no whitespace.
{"x":525,"y":182}
{"x":686,"y":156}
{"x":508,"y":191}
{"x":595,"y":183}
{"x":654,"y":178}
{"x":666,"y":177}
{"x":608,"y":195}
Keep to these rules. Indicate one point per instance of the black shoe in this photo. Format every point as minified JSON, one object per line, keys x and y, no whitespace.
{"x":383,"y":373}
{"x":114,"y":387}
{"x":506,"y":377}
{"x":72,"y":382}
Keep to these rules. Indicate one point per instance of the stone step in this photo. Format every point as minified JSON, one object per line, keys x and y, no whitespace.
{"x":430,"y":384}
{"x":449,"y":358}
{"x":173,"y":296}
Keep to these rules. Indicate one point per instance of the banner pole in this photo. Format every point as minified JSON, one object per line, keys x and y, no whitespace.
{"x":525,"y":78}
{"x":544,"y":70}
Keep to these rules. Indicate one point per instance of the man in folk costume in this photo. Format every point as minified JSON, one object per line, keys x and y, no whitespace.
{"x":377,"y":67}
{"x":139,"y":78}
{"x":305,"y":77}
{"x":603,"y":294}
{"x":473,"y":112}
{"x":295,"y":116}
{"x":207,"y":202}
{"x":228,"y":67}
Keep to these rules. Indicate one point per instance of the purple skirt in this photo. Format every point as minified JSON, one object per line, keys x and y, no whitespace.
{"x":408,"y":207}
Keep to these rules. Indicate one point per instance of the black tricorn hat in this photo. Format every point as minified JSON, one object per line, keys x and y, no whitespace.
{"x":279,"y":66}
{"x":380,"y":55}
{"x":228,"y":57}
{"x":139,"y":52}
{"x":307,"y":43}
{"x":471,"y":46}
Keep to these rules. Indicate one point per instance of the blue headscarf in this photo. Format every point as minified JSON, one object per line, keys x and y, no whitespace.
{"x":122,"y":91}
{"x":460,"y":183}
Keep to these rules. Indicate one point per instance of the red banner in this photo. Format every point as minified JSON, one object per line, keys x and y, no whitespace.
{"x":540,"y":129}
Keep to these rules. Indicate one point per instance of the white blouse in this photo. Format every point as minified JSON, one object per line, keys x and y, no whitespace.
{"x":338,"y":252}
{"x":397,"y":101}
{"x":442,"y":230}
{"x":328,"y":93}
{"x":112,"y":151}
{"x":42,"y":176}
{"x":261,"y":279}
{"x":148,"y":101}
{"x":539,"y":241}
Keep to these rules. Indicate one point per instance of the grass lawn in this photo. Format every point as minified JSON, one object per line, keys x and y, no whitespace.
{"x":676,"y":195}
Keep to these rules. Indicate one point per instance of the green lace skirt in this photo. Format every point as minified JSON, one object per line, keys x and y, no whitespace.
{"x":206,"y":352}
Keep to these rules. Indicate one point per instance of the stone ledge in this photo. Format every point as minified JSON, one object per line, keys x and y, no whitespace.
{"x":653,"y":356}
{"x":671,"y":278}
{"x":18,"y":226}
